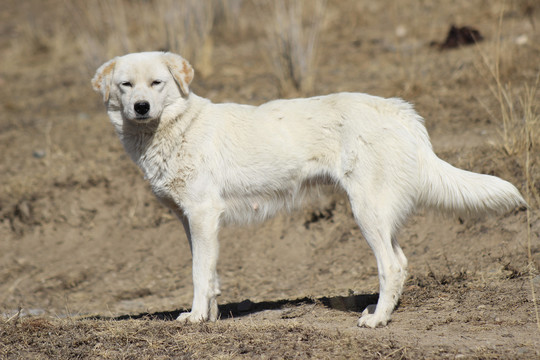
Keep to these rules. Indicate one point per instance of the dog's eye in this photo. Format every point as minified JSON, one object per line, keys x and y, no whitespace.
{"x":156,"y":82}
{"x":125,"y":84}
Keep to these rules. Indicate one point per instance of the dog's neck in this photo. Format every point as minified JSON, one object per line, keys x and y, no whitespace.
{"x":150,"y":145}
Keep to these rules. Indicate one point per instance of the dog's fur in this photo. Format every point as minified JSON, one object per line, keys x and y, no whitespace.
{"x":213,"y":164}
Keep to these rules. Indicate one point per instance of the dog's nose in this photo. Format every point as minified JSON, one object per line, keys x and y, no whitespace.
{"x":142,"y":107}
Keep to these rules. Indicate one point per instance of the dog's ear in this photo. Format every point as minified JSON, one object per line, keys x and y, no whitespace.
{"x":102,"y":81}
{"x":180,"y":69}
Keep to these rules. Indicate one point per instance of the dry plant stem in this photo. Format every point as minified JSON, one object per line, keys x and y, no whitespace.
{"x":291,"y":44}
{"x":519,"y":136}
{"x":531,"y":267}
{"x":530,"y":118}
{"x":500,"y":92}
{"x":105,"y":29}
{"x":15,"y":317}
{"x":48,"y":144}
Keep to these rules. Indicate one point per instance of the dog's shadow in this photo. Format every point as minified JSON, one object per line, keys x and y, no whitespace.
{"x":351,"y":303}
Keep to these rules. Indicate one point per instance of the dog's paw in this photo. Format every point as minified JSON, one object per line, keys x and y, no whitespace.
{"x":190,"y":317}
{"x":370,"y":319}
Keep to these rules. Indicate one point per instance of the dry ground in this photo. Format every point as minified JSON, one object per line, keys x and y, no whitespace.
{"x":84,"y":245}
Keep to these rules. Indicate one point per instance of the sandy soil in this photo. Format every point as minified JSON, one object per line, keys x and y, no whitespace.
{"x":84,"y":245}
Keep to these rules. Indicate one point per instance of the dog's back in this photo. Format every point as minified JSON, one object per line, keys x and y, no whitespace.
{"x":270,"y":156}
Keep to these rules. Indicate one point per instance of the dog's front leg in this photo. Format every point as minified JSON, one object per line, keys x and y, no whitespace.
{"x":202,"y":228}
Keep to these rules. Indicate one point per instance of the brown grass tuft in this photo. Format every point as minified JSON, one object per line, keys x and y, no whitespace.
{"x":519,"y":117}
{"x":291,"y":42}
{"x":105,"y":29}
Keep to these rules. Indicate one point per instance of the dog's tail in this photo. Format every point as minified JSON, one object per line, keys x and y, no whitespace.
{"x":446,"y":187}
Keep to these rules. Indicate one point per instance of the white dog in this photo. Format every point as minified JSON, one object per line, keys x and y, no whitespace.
{"x":214,"y":164}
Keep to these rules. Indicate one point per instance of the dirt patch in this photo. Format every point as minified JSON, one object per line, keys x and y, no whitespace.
{"x":91,"y":265}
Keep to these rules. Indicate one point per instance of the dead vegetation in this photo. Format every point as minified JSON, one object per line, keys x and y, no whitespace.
{"x":81,"y":235}
{"x":144,"y":339}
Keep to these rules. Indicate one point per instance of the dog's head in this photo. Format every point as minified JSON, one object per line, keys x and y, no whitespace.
{"x":142,"y":86}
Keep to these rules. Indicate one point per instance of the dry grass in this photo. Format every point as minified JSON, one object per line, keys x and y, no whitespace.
{"x":518,"y":110}
{"x":105,"y":29}
{"x":291,"y":42}
{"x":150,"y":339}
{"x":519,"y":116}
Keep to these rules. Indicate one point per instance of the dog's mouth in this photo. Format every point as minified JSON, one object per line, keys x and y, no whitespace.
{"x":139,"y":119}
{"x":142,"y":118}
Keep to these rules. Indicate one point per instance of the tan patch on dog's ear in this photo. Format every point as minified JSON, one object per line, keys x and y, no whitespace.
{"x":181,"y":70}
{"x":101,"y":82}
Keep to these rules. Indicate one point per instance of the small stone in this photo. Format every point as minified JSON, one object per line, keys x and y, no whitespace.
{"x":39,"y":153}
{"x":521,"y":39}
{"x":83,"y":116}
{"x":23,"y":210}
{"x":401,"y":31}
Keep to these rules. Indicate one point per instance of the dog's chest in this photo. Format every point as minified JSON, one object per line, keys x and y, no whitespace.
{"x":166,"y":166}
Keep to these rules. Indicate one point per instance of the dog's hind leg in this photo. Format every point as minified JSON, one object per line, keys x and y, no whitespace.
{"x":391,"y":264}
{"x":377,"y":223}
{"x":399,"y":253}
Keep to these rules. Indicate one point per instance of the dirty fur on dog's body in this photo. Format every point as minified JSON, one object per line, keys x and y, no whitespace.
{"x":214,"y":164}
